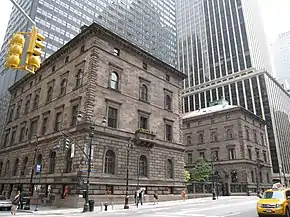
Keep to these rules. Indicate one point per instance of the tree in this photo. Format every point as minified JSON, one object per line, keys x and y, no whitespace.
{"x":187,"y":176}
{"x":201,"y":172}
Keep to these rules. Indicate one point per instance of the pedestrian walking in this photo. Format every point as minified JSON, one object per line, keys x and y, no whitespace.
{"x":183,"y":195}
{"x":155,"y":197}
{"x":135,"y":197}
{"x":15,"y":203}
{"x":140,"y":198}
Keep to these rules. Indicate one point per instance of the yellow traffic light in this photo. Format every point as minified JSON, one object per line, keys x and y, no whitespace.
{"x":33,"y":58}
{"x":16,"y":46}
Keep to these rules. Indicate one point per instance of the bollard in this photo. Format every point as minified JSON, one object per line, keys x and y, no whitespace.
{"x":106,"y":206}
{"x":102,"y":206}
{"x":112,"y":205}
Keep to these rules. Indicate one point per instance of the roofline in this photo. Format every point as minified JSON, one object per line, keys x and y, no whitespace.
{"x":237,"y":108}
{"x":96,"y":29}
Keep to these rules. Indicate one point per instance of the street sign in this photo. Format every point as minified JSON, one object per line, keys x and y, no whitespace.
{"x":38,"y":168}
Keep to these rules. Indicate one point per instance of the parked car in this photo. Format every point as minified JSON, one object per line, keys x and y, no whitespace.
{"x":4,"y":203}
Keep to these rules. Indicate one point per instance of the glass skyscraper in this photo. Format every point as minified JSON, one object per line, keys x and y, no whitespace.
{"x":222,"y":49}
{"x":148,"y":24}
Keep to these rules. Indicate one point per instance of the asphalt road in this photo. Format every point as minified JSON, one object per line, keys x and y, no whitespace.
{"x":223,"y":207}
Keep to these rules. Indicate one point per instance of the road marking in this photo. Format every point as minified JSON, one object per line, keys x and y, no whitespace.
{"x":232,"y":214}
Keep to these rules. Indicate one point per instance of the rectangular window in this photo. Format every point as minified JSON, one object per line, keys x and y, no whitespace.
{"x":18,"y":109}
{"x":250,"y":153}
{"x":6,"y":137}
{"x":168,"y":132}
{"x":22,"y":133}
{"x":44,"y":125}
{"x":258,"y":154}
{"x":33,"y":129}
{"x":11,"y":113}
{"x":189,"y":158}
{"x":112,"y":117}
{"x":262,"y":139}
{"x":265,"y":156}
{"x":201,"y":155}
{"x":143,"y":122}
{"x":215,"y":155}
{"x":231,"y":154}
{"x":74,"y":114}
{"x":13,"y":135}
{"x":57,"y":123}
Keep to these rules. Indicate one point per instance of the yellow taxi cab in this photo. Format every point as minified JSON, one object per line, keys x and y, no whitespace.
{"x":274,"y":202}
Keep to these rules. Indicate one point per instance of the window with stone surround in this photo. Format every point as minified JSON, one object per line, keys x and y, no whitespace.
{"x":168,"y":124}
{"x":169,"y":169}
{"x":110,"y":162}
{"x":58,"y":118}
{"x":24,"y":166}
{"x":252,"y":176}
{"x":45,"y":122}
{"x":18,"y":109}
{"x":257,"y":154}
{"x":15,"y":169}
{"x":265,"y":156}
{"x":250,"y":153}
{"x":215,"y":154}
{"x":63,"y":83}
{"x":79,"y":78}
{"x":189,"y":158}
{"x":229,"y":134}
{"x":11,"y":113}
{"x":113,"y":113}
{"x":213,"y":136}
{"x":144,"y":89}
{"x":52,"y":162}
{"x":36,"y":99}
{"x":33,"y":128}
{"x":231,"y":153}
{"x":201,"y":155}
{"x":168,"y":95}
{"x":50,"y":87}
{"x":143,"y":119}
{"x":255,"y":136}
{"x":114,"y":81}
{"x":74,"y":114}
{"x":27,"y":104}
{"x":262,"y":139}
{"x":7,"y":169}
{"x":188,"y":140}
{"x":22,"y":132}
{"x":6,"y":138}
{"x":13,"y":136}
{"x":143,"y":166}
{"x":200,"y":137}
{"x":247,"y":133}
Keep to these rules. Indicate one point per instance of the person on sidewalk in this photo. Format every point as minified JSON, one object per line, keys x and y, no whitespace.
{"x":140,"y":198}
{"x":135,"y":197}
{"x":15,"y":203}
{"x":155,"y":197}
{"x":183,"y":195}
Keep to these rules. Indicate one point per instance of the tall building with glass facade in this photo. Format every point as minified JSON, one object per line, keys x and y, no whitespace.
{"x":222,"y":49}
{"x":148,"y":24}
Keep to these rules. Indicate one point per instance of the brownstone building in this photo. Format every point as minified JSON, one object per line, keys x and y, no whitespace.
{"x":233,"y":139}
{"x":119,"y":87}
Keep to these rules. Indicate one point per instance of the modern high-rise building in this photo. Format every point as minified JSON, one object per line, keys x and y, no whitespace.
{"x":280,"y":51}
{"x":148,"y":24}
{"x":222,"y":49}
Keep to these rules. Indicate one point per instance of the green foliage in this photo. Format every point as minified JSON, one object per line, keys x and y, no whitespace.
{"x":187,"y":176}
{"x":201,"y":172}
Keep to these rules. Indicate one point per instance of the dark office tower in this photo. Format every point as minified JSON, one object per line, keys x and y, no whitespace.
{"x":148,"y":24}
{"x":222,"y":49}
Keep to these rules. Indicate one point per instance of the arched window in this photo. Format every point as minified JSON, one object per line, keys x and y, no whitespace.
{"x":110,"y":160}
{"x":7,"y":169}
{"x":200,"y":138}
{"x":229,"y":134}
{"x":38,"y":162}
{"x":188,"y":140}
{"x":114,"y":82}
{"x":168,"y":102}
{"x":49,"y":94}
{"x":52,"y":162}
{"x":234,"y":176}
{"x":143,"y":166}
{"x":15,"y":169}
{"x":1,"y":167}
{"x":79,"y":78}
{"x":144,"y":92}
{"x":169,"y":169}
{"x":24,"y":165}
{"x":63,"y":86}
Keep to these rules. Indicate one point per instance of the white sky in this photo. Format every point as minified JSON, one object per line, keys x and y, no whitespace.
{"x":275,"y":14}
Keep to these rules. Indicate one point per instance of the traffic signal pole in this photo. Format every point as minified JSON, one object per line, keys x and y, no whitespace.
{"x":23,"y":12}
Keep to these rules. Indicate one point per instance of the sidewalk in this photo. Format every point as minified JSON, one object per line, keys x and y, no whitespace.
{"x":59,"y":211}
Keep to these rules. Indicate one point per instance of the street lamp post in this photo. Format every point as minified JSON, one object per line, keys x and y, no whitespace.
{"x":38,"y":187}
{"x":33,"y":165}
{"x":130,"y":146}
{"x":212,"y":180}
{"x":259,"y":167}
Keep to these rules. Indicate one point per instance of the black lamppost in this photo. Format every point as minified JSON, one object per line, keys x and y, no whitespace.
{"x":213,"y":158}
{"x":33,"y":165}
{"x":89,"y":156}
{"x":39,"y":186}
{"x":130,"y":146}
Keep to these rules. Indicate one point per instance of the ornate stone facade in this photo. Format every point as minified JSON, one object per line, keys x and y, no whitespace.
{"x":104,"y":77}
{"x":235,"y":140}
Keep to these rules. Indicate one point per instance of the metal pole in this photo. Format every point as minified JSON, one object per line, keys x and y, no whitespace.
{"x":86,"y":205}
{"x":33,"y":166}
{"x":258,"y":178}
{"x":23,"y":12}
{"x":138,"y":172}
{"x":36,"y":208}
{"x":213,"y":185}
{"x":126,"y":206}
